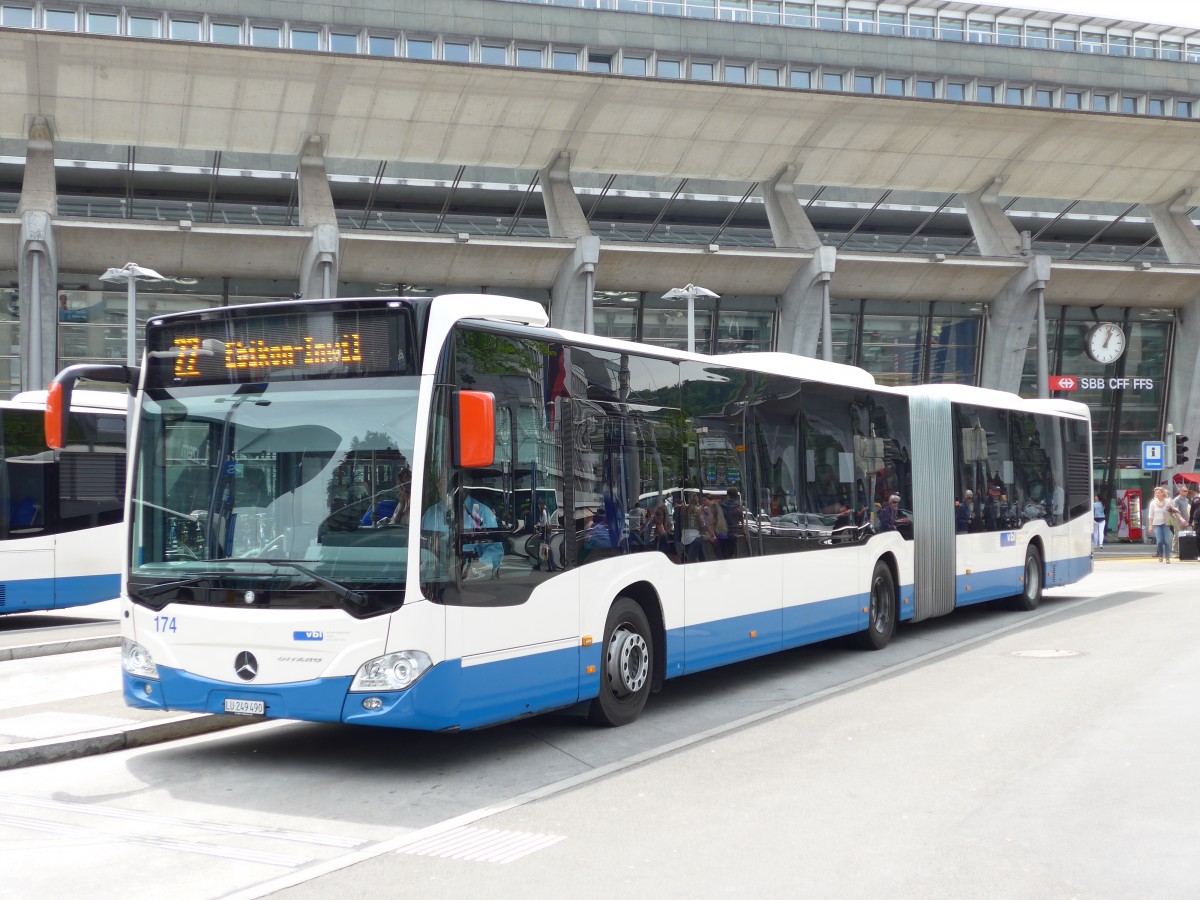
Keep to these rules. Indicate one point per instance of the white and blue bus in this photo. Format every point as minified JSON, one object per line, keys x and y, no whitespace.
{"x":61,"y":538}
{"x":331,"y":510}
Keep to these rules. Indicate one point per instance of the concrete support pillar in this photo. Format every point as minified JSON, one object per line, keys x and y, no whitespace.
{"x":1011,"y":317}
{"x":1181,"y":241}
{"x":790,"y":226}
{"x":574,"y":285}
{"x":564,"y":215}
{"x":319,"y":265}
{"x":37,"y":261}
{"x":994,"y":233}
{"x":804,"y":304}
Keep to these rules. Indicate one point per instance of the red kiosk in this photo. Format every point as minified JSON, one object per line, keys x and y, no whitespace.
{"x":1129,"y":515}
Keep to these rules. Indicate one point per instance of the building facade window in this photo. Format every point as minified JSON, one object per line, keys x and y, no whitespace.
{"x":1044,"y":98}
{"x":304,"y":39}
{"x":735,"y":74}
{"x":829,"y":18}
{"x":633,"y":65}
{"x":185,"y":30}
{"x":799,"y":78}
{"x":860,"y":20}
{"x":1129,"y":105}
{"x":893,"y":87}
{"x":831,"y":81}
{"x":1065,"y":39}
{"x":225,"y":33}
{"x":145,"y":26}
{"x":60,"y":19}
{"x":951,"y":28}
{"x":980,"y":32}
{"x":493,"y":54}
{"x":985,"y":93}
{"x":378,"y":45}
{"x":920,"y":26}
{"x":103,"y":23}
{"x":600,"y":63}
{"x":1156,"y":106}
{"x":956,"y":90}
{"x":418,"y":48}
{"x":566,"y":60}
{"x":864,"y":84}
{"x":529,"y":57}
{"x":1100,"y":102}
{"x":1183,"y":109}
{"x":926,"y":89}
{"x":456,"y":51}
{"x":1037,"y":37}
{"x":264,"y":36}
{"x":891,"y":23}
{"x":768,"y":77}
{"x":342,"y":42}
{"x":668,"y":68}
{"x":1072,"y":100}
{"x":1008,"y":35}
{"x":702,"y":71}
{"x":16,"y":17}
{"x":1016,"y":96}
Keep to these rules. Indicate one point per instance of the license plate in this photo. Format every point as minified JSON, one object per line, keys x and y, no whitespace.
{"x":246,"y":707}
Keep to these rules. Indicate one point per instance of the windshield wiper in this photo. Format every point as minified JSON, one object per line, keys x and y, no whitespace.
{"x":166,"y":509}
{"x":155,"y":589}
{"x":358,"y":599}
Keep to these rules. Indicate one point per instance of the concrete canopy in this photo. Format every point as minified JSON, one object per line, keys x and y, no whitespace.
{"x":123,"y":91}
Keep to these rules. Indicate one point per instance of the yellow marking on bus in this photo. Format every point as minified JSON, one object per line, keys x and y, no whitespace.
{"x":754,"y":634}
{"x":587,"y":640}
{"x":591,"y":670}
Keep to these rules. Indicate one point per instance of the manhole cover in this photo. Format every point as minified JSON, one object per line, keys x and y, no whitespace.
{"x":1046,"y":654}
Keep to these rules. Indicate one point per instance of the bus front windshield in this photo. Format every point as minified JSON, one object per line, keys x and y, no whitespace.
{"x":297,"y":492}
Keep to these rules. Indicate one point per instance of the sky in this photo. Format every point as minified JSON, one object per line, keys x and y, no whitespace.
{"x":1166,"y":12}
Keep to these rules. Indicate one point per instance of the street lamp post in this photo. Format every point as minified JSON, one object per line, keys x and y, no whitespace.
{"x":131,"y":273}
{"x":691,"y":292}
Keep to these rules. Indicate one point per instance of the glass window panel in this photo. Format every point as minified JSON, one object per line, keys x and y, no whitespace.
{"x":1015,"y":96}
{"x":264,"y":36}
{"x":668,"y":68}
{"x":952,"y":348}
{"x":60,"y":19}
{"x":16,"y":17}
{"x":1008,"y":35}
{"x":1118,"y":45}
{"x":633,"y":65}
{"x":1192,"y":52}
{"x":920,"y":26}
{"x":381,"y":46}
{"x":956,"y":90}
{"x":829,"y":18}
{"x":891,"y":23}
{"x":144,"y":26}
{"x":615,"y":322}
{"x":102,"y":23}
{"x":343,"y":42}
{"x":768,"y":77}
{"x":735,"y":74}
{"x":1091,"y":41}
{"x":1044,"y":98}
{"x":986,"y":93}
{"x":951,"y":28}
{"x":1064,"y":40}
{"x":1156,"y":107}
{"x":419,"y":48}
{"x":600,"y":63}
{"x":744,"y":332}
{"x":800,"y":79}
{"x":926,"y":89}
{"x":1072,"y":100}
{"x":1183,"y":108}
{"x":702,"y":9}
{"x":185,"y":30}
{"x":1144,"y":47}
{"x":1037,"y":37}
{"x":305,"y":40}
{"x":225,"y":33}
{"x":529,"y":57}
{"x":702,"y":71}
{"x":980,"y":32}
{"x":1100,"y":102}
{"x":893,"y":87}
{"x":831,"y":81}
{"x":765,"y":12}
{"x":893,"y":348}
{"x":864,"y":84}
{"x":453,"y":51}
{"x":1129,"y":104}
{"x":566,"y":60}
{"x":668,"y":328}
{"x":798,"y":16}
{"x":1170,"y":50}
{"x":860,"y":20}
{"x":493,"y":54}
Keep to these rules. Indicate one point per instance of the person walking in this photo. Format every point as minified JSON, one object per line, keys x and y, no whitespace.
{"x":1158,"y":517}
{"x":1099,"y":523}
{"x":1178,"y":522}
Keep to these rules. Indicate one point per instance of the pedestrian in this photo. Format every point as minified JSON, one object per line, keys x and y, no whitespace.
{"x":1158,"y":517}
{"x":890,"y":516}
{"x":1184,"y":507}
{"x":1099,"y":521}
{"x":964,"y":514}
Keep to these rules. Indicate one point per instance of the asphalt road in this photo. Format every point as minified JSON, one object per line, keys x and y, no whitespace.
{"x":984,"y":754}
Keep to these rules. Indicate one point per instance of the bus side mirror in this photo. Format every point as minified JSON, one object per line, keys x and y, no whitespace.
{"x":58,"y":408}
{"x":476,"y":429}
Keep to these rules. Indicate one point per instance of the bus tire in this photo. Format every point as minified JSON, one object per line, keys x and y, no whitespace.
{"x":1034,"y":577}
{"x":626,"y":665}
{"x":881,"y":624}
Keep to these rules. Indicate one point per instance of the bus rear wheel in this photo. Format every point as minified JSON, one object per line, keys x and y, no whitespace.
{"x":1031,"y":589}
{"x":625,"y":667}
{"x":881,"y":625}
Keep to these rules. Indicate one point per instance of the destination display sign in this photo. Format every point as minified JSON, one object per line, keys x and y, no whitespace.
{"x":238,"y":345}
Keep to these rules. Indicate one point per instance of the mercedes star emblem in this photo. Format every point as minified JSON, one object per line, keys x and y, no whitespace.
{"x":246,"y":666}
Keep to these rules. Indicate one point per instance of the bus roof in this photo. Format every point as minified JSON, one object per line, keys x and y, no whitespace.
{"x":965,"y":393}
{"x":113,"y":401}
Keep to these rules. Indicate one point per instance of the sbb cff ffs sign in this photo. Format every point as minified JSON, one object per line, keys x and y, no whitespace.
{"x":1071,"y":383}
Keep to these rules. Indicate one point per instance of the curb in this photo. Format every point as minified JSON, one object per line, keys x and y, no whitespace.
{"x":32,"y":753}
{"x":29,"y":651}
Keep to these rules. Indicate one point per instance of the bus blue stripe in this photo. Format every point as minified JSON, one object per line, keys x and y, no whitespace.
{"x":58,"y":593}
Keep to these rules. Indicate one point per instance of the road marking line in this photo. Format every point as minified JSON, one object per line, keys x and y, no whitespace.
{"x":482,"y":845}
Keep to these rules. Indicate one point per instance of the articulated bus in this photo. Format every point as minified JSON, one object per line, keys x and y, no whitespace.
{"x":335,"y":510}
{"x":61,"y":538}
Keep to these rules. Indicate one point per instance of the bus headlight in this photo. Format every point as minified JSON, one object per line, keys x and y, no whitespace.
{"x":136,"y":660}
{"x":393,"y":672}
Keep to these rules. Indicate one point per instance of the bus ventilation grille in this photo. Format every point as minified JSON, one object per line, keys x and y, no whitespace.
{"x":3,"y":593}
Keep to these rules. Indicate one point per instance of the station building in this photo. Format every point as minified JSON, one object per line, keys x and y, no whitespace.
{"x":908,"y":187}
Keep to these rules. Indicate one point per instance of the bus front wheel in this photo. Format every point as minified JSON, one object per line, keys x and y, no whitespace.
{"x":626,"y":665}
{"x":1031,"y":588}
{"x":881,"y":625}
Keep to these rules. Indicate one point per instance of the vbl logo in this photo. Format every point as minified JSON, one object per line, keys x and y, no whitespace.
{"x":308,"y":635}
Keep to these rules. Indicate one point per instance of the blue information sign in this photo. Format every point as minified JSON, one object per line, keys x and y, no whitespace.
{"x":1154,"y":453}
